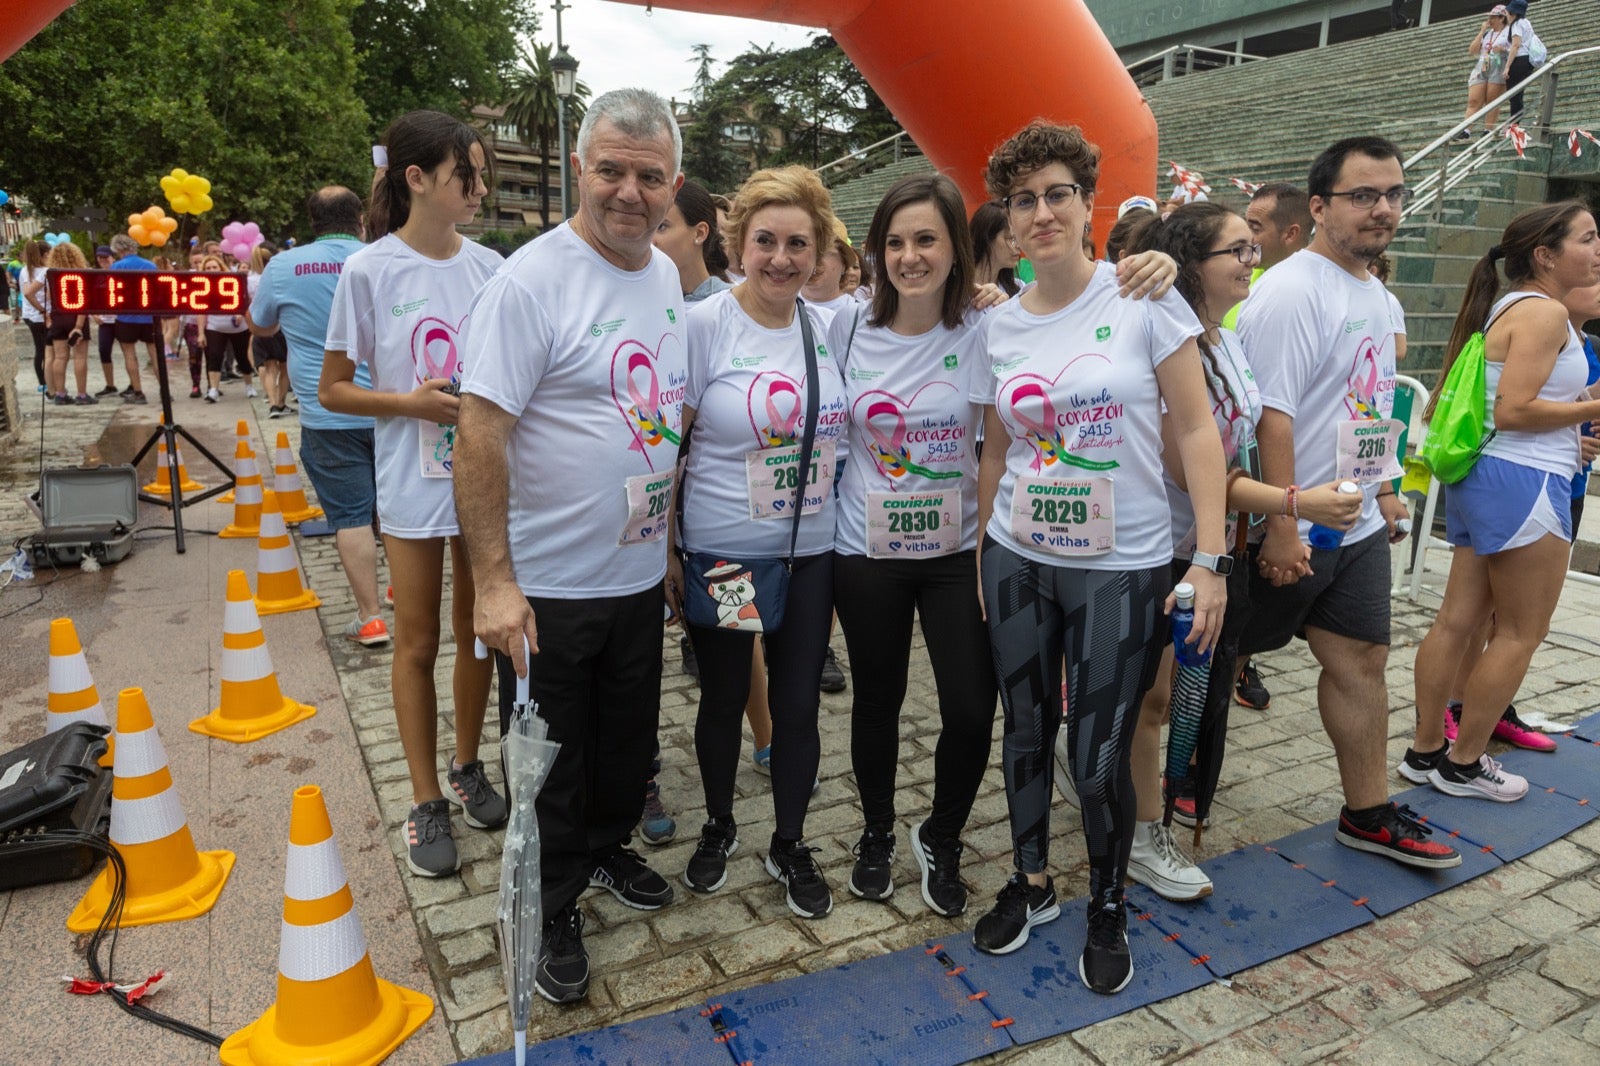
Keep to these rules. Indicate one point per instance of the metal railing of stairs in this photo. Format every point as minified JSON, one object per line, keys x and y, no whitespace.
{"x":1180,"y":59}
{"x":890,"y":149}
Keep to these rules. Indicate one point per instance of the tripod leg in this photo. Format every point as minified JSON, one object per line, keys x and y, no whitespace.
{"x":176,"y":484}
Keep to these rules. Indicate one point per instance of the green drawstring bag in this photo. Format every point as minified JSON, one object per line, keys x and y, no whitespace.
{"x":1456,"y":433}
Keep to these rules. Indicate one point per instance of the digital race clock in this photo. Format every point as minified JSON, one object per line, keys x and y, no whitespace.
{"x":148,"y":292}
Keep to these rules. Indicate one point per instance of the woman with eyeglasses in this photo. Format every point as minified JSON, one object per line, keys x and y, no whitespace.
{"x":1076,"y":555}
{"x":1215,"y":257}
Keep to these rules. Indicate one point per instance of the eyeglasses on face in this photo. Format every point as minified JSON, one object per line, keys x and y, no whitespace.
{"x":1056,"y":196}
{"x":1245,"y":253}
{"x":1366,"y":198}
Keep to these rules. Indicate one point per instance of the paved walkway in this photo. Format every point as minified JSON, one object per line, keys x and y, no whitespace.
{"x":1505,"y":968}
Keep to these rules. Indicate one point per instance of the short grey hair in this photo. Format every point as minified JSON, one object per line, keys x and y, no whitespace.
{"x":122,"y":244}
{"x":636,"y":113}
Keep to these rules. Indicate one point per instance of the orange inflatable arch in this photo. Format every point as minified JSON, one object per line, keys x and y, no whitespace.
{"x":24,"y":18}
{"x":962,"y":77}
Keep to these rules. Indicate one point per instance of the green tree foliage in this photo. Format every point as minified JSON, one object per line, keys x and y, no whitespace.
{"x":534,"y":110}
{"x":256,"y":95}
{"x":447,"y":55}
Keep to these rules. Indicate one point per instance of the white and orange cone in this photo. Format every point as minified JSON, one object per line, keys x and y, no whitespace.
{"x":72,"y":696}
{"x":278,"y":587}
{"x":168,"y":880}
{"x":253,"y":706}
{"x":331,"y":1008}
{"x":241,"y":436}
{"x":162,"y":485}
{"x":246,"y":495}
{"x":286,"y":483}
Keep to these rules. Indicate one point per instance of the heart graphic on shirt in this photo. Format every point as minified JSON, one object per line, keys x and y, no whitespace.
{"x":884,"y":416}
{"x":1027,"y":399}
{"x":651,"y":412}
{"x":434,"y":353}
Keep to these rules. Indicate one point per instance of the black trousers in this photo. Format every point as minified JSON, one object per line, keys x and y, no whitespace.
{"x":597,"y":680}
{"x":877,"y":601}
{"x":794,"y":671}
{"x":1519,"y":71}
{"x":37,"y":330}
{"x":220,"y":344}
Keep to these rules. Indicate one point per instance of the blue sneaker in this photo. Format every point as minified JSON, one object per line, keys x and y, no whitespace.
{"x":656,"y":826}
{"x":762,"y":757}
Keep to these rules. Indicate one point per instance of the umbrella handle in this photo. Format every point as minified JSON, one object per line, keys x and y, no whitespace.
{"x":481,"y":650}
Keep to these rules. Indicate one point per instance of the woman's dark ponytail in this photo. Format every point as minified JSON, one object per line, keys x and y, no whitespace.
{"x":419,"y":139}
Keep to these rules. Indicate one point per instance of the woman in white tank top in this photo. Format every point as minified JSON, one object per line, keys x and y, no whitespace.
{"x":1509,"y":519}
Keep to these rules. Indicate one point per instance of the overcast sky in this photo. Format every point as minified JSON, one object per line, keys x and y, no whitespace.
{"x":618,"y":44}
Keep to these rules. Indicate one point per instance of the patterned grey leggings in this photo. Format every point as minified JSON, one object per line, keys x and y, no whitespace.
{"x":1105,"y":623}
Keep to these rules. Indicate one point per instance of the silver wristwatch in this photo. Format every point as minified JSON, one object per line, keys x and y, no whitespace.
{"x":1221,"y":565}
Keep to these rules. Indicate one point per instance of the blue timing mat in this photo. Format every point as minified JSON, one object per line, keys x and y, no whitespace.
{"x":1573,"y":769}
{"x":896,"y":1008}
{"x":1038,"y":988}
{"x":1512,"y":830}
{"x":1382,"y":885}
{"x":680,"y":1036}
{"x":1588,"y":728}
{"x":1262,"y":907}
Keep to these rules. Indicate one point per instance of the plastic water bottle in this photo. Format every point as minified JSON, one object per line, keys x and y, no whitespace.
{"x":1325,"y":538}
{"x":1182,"y":623}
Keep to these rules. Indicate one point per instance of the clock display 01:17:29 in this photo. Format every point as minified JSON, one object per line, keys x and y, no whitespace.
{"x":158,"y":292}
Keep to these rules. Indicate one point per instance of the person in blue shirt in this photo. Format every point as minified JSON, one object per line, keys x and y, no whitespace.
{"x":296,"y":297}
{"x":131,"y":329}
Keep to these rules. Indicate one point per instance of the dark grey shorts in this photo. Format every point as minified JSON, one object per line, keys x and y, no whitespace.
{"x":1347,"y":594}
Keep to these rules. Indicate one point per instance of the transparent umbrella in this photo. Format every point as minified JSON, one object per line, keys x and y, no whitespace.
{"x":528,"y":758}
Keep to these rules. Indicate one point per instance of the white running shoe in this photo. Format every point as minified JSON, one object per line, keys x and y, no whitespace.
{"x":250,"y":392}
{"x":1160,"y":865}
{"x":1059,"y":767}
{"x":1485,"y":780}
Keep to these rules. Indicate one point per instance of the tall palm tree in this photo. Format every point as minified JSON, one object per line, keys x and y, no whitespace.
{"x":533,"y":108}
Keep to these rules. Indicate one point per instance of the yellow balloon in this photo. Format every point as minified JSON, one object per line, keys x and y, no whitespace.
{"x":139,"y":234}
{"x":158,"y":239}
{"x":200,"y":205}
{"x":201,"y":185}
{"x":179,"y":174}
{"x":180,"y":203}
{"x":168,"y":183}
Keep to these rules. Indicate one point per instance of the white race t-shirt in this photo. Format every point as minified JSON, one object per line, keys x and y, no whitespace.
{"x":28,"y":276}
{"x":1236,"y":415}
{"x":843,"y":303}
{"x":912,"y":425}
{"x":402,"y":314}
{"x":748,"y":390}
{"x":1077,"y":392}
{"x":1321,"y":343}
{"x":591,"y":360}
{"x":1397,"y":314}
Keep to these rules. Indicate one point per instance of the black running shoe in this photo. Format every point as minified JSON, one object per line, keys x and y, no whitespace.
{"x":563,"y":972}
{"x":832,"y":673}
{"x":690,"y":664}
{"x":708,"y":866}
{"x":109,"y":390}
{"x":873,"y":875}
{"x":623,"y":873}
{"x":1417,"y":765}
{"x":1019,"y":907}
{"x":940,"y":863}
{"x":1249,"y":690}
{"x":1395,"y":832}
{"x":1106,"y":965}
{"x":790,"y":862}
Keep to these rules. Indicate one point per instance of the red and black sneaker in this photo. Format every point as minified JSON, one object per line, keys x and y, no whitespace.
{"x":1397,"y":833}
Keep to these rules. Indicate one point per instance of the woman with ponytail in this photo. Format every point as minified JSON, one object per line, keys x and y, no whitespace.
{"x":1510,"y":518}
{"x":401,"y":308}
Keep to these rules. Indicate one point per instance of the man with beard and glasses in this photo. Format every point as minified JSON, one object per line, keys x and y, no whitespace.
{"x":1317,"y":334}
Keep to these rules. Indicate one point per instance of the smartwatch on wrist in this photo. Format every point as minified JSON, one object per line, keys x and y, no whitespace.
{"x":1221,"y":565}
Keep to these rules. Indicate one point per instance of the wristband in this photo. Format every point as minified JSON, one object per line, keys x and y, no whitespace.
{"x":1293,"y":493}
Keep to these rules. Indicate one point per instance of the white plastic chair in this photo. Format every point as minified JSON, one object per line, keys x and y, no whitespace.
{"x":1423,"y":530}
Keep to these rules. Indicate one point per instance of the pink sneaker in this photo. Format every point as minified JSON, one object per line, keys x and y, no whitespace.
{"x":1452,"y":721}
{"x":1514,"y":730}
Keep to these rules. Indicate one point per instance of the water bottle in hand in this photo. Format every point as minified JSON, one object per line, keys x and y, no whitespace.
{"x":1326,"y":538}
{"x":1182,"y":624}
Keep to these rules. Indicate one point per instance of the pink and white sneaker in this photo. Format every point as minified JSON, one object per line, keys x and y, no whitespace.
{"x":1509,"y":728}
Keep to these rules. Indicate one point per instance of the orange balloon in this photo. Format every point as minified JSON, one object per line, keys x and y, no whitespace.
{"x":135,"y":220}
{"x":139,"y":234}
{"x":158,"y":238}
{"x":168,"y":225}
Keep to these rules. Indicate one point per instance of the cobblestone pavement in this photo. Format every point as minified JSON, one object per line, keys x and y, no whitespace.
{"x":1505,"y":968}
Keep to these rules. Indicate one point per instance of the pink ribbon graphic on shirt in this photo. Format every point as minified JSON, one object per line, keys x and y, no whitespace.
{"x":780,"y":428}
{"x":1362,"y":400}
{"x":890,"y":448}
{"x":1043,"y":433}
{"x":425,"y":339}
{"x":646,"y":411}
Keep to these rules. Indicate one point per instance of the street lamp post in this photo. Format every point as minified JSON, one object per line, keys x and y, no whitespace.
{"x":565,"y":70}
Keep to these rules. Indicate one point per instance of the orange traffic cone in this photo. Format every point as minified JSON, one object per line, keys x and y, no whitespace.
{"x":331,"y":1008}
{"x":252,"y":704}
{"x":162,"y":485}
{"x":242,"y":436}
{"x":72,"y":696}
{"x":246,"y":495}
{"x":168,"y":880}
{"x":278,"y":587}
{"x":286,"y":483}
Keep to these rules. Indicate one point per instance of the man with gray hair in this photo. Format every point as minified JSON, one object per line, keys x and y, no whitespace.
{"x":571,"y":402}
{"x":130,"y":329}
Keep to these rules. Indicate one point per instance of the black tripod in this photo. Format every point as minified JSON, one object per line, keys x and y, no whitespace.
{"x":170,"y":432}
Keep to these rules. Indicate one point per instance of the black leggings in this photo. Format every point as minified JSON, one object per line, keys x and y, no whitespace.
{"x":38,"y":331}
{"x":794,"y":672}
{"x":219,"y":343}
{"x":876,"y":600}
{"x":1107,"y":623}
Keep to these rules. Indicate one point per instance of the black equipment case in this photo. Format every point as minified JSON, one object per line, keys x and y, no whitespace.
{"x":54,"y":782}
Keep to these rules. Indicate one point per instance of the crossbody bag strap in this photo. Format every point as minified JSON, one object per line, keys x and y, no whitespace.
{"x":809,"y":436}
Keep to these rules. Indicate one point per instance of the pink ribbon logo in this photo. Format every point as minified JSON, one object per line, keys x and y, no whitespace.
{"x":433,"y":350}
{"x":646,"y":416}
{"x":1043,"y":433}
{"x":780,"y":427}
{"x":889,"y":448}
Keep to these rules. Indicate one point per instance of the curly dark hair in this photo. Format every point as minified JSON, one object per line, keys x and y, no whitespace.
{"x":1035,"y":146}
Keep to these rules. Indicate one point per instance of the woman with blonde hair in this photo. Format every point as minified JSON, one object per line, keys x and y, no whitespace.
{"x":222,"y":334}
{"x":69,"y":336}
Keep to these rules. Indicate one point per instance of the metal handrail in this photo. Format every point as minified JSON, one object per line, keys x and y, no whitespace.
{"x":1431,"y":189}
{"x":860,"y":154}
{"x":1169,"y":55}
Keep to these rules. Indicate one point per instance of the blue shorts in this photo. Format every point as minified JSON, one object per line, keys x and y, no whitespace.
{"x":1501,"y":505}
{"x":341,"y":467}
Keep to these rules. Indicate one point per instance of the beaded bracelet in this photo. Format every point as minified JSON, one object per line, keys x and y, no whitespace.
{"x":1292,"y":502}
